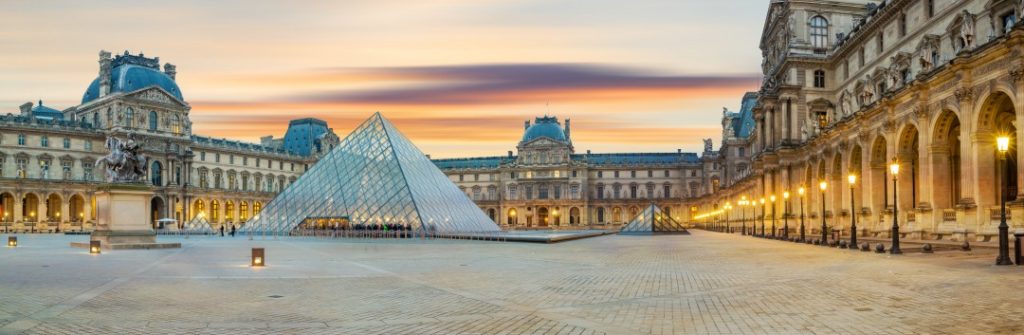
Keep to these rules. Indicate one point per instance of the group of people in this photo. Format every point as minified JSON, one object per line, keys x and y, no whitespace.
{"x":232,"y":232}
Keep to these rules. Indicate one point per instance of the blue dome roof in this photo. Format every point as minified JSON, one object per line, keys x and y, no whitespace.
{"x":130,"y":78}
{"x":545,"y":127}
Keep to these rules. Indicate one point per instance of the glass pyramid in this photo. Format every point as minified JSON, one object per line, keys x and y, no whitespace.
{"x":652,"y":221}
{"x":375,"y":176}
{"x":198,"y":225}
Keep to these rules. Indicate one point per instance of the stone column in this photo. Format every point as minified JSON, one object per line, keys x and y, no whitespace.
{"x":87,"y":208}
{"x":18,"y":207}
{"x":64,"y":212}
{"x":43,"y":214}
{"x":983,"y":177}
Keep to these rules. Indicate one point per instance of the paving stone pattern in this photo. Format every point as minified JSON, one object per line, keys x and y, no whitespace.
{"x":705,"y":283}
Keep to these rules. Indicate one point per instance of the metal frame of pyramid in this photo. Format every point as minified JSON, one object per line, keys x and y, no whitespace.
{"x":375,"y":176}
{"x":653,"y":221}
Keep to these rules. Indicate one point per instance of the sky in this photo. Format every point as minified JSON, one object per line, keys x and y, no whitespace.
{"x":458,"y":78}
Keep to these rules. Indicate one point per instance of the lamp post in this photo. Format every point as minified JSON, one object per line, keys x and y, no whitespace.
{"x":823,"y":185}
{"x":743,"y":214}
{"x":772,"y":199}
{"x":895,"y":250}
{"x":801,"y":191}
{"x":852,"y":178}
{"x":1003,"y":144}
{"x":728,"y":217}
{"x":785,"y":216}
{"x":762,"y":216}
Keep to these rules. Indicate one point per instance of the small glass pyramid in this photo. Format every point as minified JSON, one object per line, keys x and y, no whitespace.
{"x":374,"y":177}
{"x":653,"y":221}
{"x":198,"y":225}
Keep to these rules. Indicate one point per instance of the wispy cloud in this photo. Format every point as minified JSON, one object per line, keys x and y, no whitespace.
{"x":492,"y":84}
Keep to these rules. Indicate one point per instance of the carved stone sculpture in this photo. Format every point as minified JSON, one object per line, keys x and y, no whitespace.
{"x":124,"y":163}
{"x":967,"y":29}
{"x":707,"y":145}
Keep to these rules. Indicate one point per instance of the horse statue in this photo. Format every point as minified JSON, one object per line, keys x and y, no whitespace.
{"x":124,"y":163}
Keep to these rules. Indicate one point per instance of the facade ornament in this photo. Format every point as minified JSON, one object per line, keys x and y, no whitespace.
{"x":967,"y":29}
{"x":1016,"y":74}
{"x":925,"y":56}
{"x":708,"y":147}
{"x":124,"y":163}
{"x":889,"y":126}
{"x":921,"y":113}
{"x":964,"y":94}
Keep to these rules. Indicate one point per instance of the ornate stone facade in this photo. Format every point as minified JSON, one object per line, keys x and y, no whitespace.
{"x":47,"y":172}
{"x":927,"y":84}
{"x":548,"y":185}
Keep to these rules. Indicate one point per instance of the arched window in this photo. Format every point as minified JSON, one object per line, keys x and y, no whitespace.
{"x":155,"y":174}
{"x":600,"y":215}
{"x":152,"y":120}
{"x":96,"y":120}
{"x":175,"y":124}
{"x":819,"y":78}
{"x":819,"y":32}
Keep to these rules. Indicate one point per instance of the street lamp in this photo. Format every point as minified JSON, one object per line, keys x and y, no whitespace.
{"x":762,"y":216}
{"x":1003,"y":144}
{"x":801,"y":192}
{"x":823,"y":185}
{"x":785,"y":217}
{"x":852,"y":178}
{"x":743,"y":214}
{"x":728,"y":217}
{"x":772,"y":199}
{"x":894,"y":168}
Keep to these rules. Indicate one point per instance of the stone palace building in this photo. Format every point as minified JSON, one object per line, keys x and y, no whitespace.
{"x":47,"y":156}
{"x":852,"y":86}
{"x":546,"y":184}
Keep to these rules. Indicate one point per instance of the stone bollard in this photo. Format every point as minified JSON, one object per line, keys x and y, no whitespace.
{"x":842,"y":244}
{"x":966,"y":246}
{"x":880,"y":248}
{"x":927,"y":248}
{"x":865,"y":246}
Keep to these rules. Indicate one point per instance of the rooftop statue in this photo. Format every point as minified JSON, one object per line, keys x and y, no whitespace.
{"x":125,"y":163}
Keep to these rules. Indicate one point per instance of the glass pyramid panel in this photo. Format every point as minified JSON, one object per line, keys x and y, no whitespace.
{"x":653,"y":221}
{"x":375,"y":176}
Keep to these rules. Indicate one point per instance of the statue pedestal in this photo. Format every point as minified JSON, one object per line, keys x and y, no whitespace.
{"x":122,"y":213}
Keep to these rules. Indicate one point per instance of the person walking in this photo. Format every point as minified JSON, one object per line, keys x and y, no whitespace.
{"x":232,"y":230}
{"x":221,"y":230}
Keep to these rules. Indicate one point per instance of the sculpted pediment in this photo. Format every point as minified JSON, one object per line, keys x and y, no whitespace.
{"x":157,"y":94}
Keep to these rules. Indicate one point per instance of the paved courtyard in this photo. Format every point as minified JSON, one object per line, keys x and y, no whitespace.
{"x":703,"y":283}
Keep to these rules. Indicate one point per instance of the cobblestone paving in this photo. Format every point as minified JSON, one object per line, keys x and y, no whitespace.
{"x":705,"y":283}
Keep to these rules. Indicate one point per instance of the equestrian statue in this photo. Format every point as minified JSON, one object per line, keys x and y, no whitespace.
{"x":124,"y":163}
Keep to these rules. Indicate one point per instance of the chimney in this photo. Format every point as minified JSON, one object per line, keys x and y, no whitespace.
{"x":526,"y":125}
{"x":170,"y":70}
{"x":588,"y":151}
{"x":679,"y":151}
{"x":26,"y":109}
{"x":510,"y":154}
{"x":104,"y":73}
{"x":566,"y":128}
